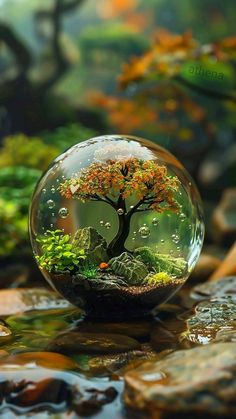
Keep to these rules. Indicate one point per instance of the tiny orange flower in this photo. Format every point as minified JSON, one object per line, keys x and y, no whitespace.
{"x":103,"y":265}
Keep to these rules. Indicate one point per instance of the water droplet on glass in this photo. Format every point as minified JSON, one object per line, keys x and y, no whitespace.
{"x":51,"y":225}
{"x":155,"y":221}
{"x":134,"y":233}
{"x":120,"y":211}
{"x":63,"y":212}
{"x":108,"y":225}
{"x":53,"y":214}
{"x":44,"y":190}
{"x":53,"y":190}
{"x":182,"y":216}
{"x":131,"y":206}
{"x":102,"y":223}
{"x":50,"y":203}
{"x":162,"y":241}
{"x":176,"y":239}
{"x":133,"y":238}
{"x":144,"y":231}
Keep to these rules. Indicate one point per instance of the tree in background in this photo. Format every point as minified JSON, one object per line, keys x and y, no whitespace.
{"x":30,"y":106}
{"x":169,"y":91}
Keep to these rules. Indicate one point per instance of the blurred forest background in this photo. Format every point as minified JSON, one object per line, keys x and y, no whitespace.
{"x":72,"y":69}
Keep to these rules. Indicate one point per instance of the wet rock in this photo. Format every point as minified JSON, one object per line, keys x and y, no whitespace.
{"x":93,"y":400}
{"x":224,"y":220}
{"x":25,"y":299}
{"x":224,"y":288}
{"x":38,"y":359}
{"x":201,"y":380}
{"x":227,"y":267}
{"x":136,"y":329}
{"x":165,"y":335}
{"x":106,"y":365}
{"x":133,"y":270}
{"x":37,"y":382}
{"x":225,"y":335}
{"x":209,"y":318}
{"x":205,"y":267}
{"x":92,"y":343}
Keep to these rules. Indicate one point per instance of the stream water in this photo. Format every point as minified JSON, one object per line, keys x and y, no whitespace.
{"x":55,"y":363}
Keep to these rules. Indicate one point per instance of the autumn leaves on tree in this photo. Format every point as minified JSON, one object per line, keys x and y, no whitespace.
{"x":115,"y":181}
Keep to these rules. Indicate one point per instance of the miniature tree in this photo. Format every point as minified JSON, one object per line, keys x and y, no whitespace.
{"x":114,"y":181}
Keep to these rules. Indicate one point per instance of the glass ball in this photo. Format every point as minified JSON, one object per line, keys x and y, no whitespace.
{"x":116,"y":226}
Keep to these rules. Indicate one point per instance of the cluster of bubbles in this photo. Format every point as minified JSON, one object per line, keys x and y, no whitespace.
{"x":175,"y":238}
{"x":105,"y":224}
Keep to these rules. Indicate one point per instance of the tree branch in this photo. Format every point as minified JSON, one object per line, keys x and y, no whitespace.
{"x":106,"y":199}
{"x":16,"y":47}
{"x":56,"y":15}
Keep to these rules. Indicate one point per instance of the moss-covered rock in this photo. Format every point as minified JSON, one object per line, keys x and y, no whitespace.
{"x":92,"y":243}
{"x":160,"y":278}
{"x":132,"y":269}
{"x":161,"y":262}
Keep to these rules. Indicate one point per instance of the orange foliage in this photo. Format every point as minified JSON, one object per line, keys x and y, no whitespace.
{"x":125,"y":114}
{"x":114,"y":180}
{"x":163,"y":58}
{"x":108,"y":9}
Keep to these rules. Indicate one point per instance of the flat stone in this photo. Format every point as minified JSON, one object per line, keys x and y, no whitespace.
{"x":92,"y":343}
{"x":24,"y":299}
{"x":223,"y":218}
{"x":224,"y":288}
{"x":205,"y":267}
{"x":136,"y":329}
{"x":201,"y":380}
{"x":209,"y":318}
{"x":38,"y":359}
{"x":165,"y":335}
{"x":225,"y":335}
{"x":110,"y":364}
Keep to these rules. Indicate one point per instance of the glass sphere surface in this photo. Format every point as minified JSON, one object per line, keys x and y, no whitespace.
{"x":116,"y":225}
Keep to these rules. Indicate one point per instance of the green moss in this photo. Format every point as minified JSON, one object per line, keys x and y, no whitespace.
{"x":161,"y":262}
{"x":89,"y":270}
{"x":158,"y":278}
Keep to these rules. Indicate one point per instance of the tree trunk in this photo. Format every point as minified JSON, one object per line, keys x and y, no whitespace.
{"x":117,"y":245}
